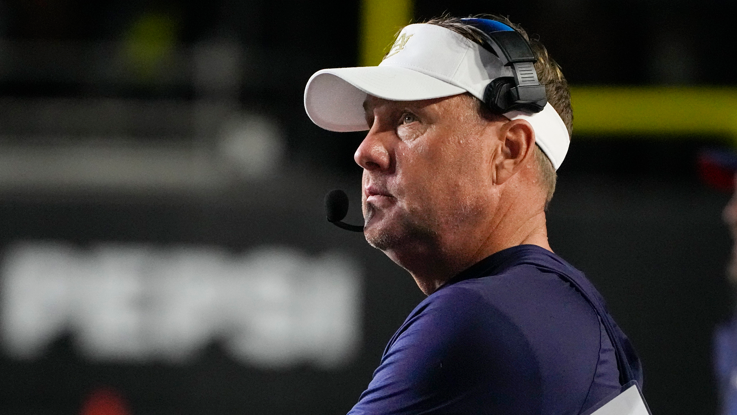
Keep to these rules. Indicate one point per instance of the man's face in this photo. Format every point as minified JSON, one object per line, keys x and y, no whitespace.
{"x":729,"y":214}
{"x":427,"y":178}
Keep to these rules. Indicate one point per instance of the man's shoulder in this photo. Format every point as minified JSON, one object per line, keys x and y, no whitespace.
{"x":532,"y":298}
{"x":526,"y":299}
{"x":520,"y":282}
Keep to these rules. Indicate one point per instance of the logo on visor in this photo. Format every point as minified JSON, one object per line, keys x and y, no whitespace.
{"x":398,"y":45}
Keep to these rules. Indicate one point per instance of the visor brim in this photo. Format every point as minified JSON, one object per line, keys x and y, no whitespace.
{"x":334,"y":97}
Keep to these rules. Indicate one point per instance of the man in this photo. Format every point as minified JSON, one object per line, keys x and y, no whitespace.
{"x":718,"y":169}
{"x":457,"y":173}
{"x":725,"y":335}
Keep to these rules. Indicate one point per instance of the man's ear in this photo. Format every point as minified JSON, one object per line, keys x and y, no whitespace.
{"x":517,"y":145}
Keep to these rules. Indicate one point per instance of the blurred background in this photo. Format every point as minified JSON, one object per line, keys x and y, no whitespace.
{"x":163,"y":247}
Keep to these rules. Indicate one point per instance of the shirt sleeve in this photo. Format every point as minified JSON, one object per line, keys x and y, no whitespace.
{"x":455,"y":353}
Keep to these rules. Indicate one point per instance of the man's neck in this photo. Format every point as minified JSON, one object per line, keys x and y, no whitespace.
{"x":436,"y":266}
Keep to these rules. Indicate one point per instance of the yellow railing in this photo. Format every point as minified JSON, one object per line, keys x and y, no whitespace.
{"x":380,"y":21}
{"x":660,"y":111}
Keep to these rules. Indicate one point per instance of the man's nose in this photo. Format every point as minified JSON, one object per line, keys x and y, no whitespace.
{"x":374,"y":153}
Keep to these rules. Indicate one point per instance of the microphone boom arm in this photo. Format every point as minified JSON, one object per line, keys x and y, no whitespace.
{"x":336,"y":207}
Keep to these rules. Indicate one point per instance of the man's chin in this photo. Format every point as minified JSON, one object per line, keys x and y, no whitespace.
{"x":382,"y":232}
{"x":378,"y":237}
{"x":396,"y":234}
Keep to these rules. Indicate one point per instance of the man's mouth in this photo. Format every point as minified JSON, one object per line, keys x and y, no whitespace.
{"x":377,"y":195}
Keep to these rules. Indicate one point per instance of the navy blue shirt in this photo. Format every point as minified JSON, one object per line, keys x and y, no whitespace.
{"x":725,"y":365}
{"x":506,"y":336}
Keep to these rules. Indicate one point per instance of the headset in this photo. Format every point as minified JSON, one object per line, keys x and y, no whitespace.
{"x":522,"y":91}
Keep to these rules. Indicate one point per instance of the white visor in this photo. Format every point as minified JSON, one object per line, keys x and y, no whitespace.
{"x":426,"y":61}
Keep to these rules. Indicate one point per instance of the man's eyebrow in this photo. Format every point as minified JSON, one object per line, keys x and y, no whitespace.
{"x":370,"y":104}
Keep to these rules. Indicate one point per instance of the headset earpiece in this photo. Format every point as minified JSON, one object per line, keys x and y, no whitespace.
{"x":497,"y":94}
{"x":503,"y":95}
{"x":522,"y":91}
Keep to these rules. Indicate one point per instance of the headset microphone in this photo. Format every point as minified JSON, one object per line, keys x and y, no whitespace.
{"x":336,"y":207}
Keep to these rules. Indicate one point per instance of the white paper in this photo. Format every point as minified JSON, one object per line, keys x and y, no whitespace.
{"x":628,"y":402}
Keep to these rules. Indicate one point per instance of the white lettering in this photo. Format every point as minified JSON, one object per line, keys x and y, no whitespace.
{"x":270,"y":307}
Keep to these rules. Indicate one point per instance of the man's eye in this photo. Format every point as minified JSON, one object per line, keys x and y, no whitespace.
{"x":408,"y":118}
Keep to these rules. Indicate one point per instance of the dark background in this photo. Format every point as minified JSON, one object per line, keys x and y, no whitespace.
{"x":631,"y":212}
